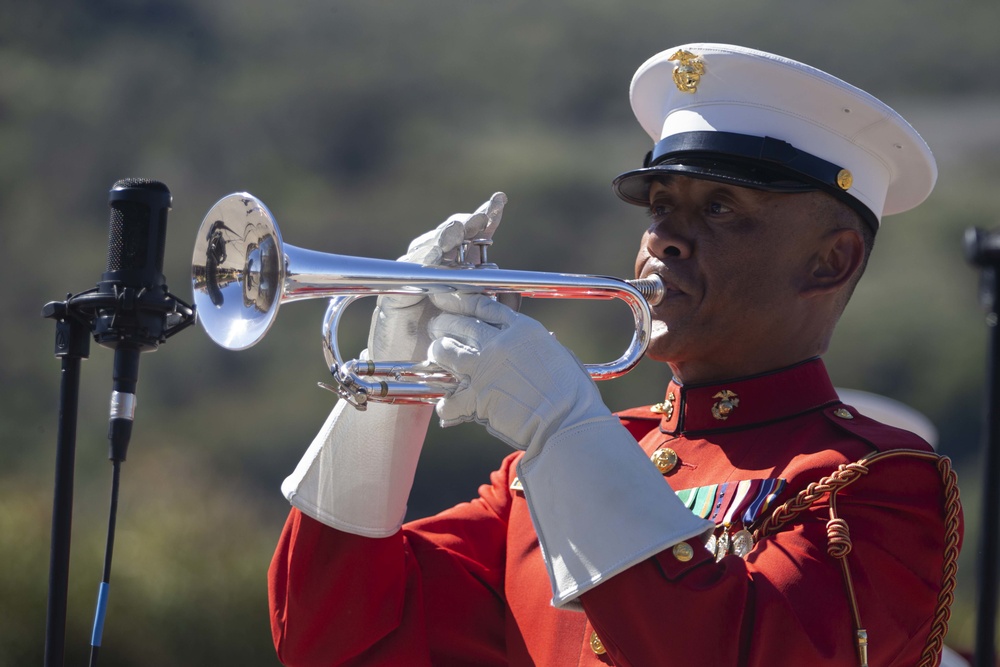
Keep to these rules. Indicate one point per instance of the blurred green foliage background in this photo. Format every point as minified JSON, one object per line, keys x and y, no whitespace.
{"x":361,"y":124}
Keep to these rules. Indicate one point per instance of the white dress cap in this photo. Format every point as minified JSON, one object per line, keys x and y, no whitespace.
{"x":755,"y":119}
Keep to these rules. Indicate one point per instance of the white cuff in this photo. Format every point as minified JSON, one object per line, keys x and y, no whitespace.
{"x":599,"y":506}
{"x":357,"y":473}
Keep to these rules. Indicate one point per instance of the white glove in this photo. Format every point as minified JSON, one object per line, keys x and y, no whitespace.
{"x":399,"y":323}
{"x":516,"y":377}
{"x":357,"y":473}
{"x":597,"y":503}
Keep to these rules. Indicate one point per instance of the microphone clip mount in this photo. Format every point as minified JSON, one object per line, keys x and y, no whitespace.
{"x":118,"y":315}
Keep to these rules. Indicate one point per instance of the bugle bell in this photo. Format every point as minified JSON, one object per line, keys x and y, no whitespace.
{"x":242,"y":272}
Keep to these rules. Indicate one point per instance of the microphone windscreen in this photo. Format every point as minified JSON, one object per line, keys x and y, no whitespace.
{"x":138,"y":230}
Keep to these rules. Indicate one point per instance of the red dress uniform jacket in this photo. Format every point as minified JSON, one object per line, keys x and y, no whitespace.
{"x":469,"y":586}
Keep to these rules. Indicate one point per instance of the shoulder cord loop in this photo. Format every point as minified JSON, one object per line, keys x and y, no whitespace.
{"x":839,"y":540}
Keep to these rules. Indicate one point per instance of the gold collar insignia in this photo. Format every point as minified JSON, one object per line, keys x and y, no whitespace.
{"x":728,"y":401}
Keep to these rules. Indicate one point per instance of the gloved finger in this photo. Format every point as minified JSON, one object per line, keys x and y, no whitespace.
{"x":482,"y":225}
{"x":430,"y":247}
{"x":494,"y":211}
{"x":457,"y":408}
{"x":471,"y":225}
{"x":478,"y":225}
{"x":475,"y":224}
{"x":478,"y":306}
{"x":459,"y":405}
{"x":468,"y":330}
{"x":396,"y":302}
{"x":455,"y":357}
{"x":442,"y":242}
{"x":484,"y":221}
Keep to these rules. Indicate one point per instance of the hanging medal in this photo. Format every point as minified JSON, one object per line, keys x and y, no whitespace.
{"x":722,"y":544}
{"x":742,"y":543}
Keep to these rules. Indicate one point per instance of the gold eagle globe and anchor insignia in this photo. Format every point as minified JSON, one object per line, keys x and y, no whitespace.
{"x":665,"y":408}
{"x":687,"y":71}
{"x":728,"y":401}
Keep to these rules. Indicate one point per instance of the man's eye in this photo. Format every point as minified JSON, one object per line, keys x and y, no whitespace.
{"x":718,"y":208}
{"x":658,"y":210}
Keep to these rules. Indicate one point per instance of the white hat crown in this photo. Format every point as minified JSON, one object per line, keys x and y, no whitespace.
{"x":703,"y":88}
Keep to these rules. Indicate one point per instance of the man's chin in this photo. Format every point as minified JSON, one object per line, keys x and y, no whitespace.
{"x":660,"y":351}
{"x":672,"y":348}
{"x":659,"y":342}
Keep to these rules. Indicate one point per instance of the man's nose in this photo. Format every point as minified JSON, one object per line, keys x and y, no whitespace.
{"x":666,"y":240}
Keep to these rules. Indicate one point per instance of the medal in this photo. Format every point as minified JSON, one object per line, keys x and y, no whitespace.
{"x":722,"y":546}
{"x":742,"y":543}
{"x":710,"y":543}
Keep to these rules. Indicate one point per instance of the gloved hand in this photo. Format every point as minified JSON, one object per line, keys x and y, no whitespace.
{"x":596,"y":501}
{"x":357,"y":473}
{"x":517,"y":379}
{"x":399,"y":323}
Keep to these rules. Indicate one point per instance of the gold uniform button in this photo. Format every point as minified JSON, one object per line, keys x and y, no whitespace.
{"x":843,"y":413}
{"x":683,"y":552}
{"x":596,"y":645}
{"x":665,"y":459}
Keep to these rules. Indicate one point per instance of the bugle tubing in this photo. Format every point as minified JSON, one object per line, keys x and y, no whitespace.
{"x":242,"y":272}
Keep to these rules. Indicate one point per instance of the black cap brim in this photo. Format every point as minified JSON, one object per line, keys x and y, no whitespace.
{"x":633,"y":186}
{"x":760,"y":163}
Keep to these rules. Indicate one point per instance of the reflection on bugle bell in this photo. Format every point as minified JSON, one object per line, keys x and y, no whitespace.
{"x":242,"y":272}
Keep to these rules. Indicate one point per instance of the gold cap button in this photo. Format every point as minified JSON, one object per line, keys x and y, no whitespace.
{"x":683,"y":552}
{"x":596,"y":645}
{"x":665,"y":459}
{"x":843,"y":413}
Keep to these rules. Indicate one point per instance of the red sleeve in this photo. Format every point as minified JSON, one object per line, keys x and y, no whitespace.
{"x":786,"y":603}
{"x":431,"y":594}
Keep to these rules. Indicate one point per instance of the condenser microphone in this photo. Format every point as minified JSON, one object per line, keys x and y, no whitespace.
{"x":133,"y":285}
{"x":129,"y":311}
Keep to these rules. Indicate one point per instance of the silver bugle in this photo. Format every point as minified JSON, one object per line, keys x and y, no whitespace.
{"x":242,"y":272}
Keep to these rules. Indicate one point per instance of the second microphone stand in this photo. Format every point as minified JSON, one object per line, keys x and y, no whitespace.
{"x":983,"y":250}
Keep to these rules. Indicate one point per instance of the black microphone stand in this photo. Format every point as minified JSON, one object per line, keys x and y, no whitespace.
{"x":72,"y":346}
{"x":982,"y":249}
{"x":109,"y":314}
{"x":75,"y":320}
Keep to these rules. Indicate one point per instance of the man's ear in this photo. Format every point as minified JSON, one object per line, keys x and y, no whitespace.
{"x":837,"y":259}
